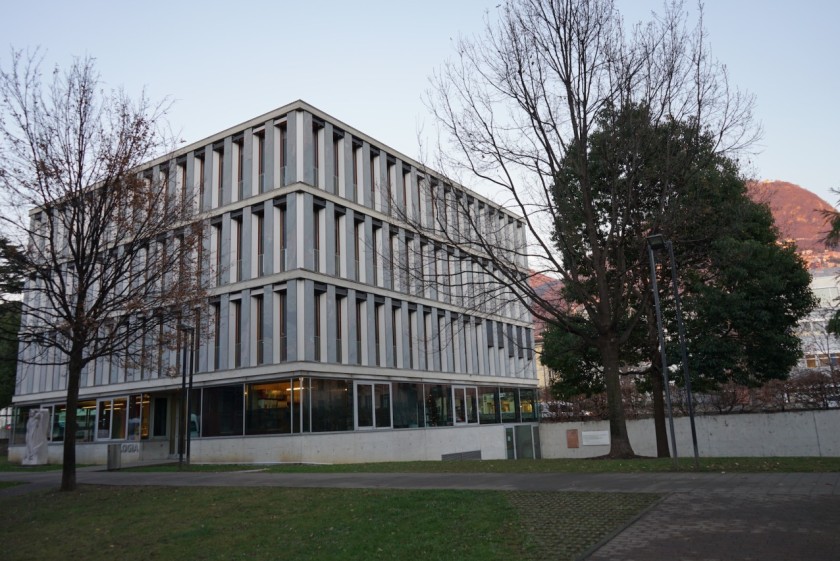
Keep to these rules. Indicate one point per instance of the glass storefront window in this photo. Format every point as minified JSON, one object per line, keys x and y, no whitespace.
{"x":488,"y":405}
{"x":331,"y":403}
{"x":269,"y":408}
{"x":373,"y":405}
{"x":408,"y":406}
{"x":138,"y":417}
{"x":222,"y":411}
{"x":20,"y":416}
{"x":508,"y":404}
{"x":111,"y":419}
{"x":438,"y":405}
{"x":528,"y":405}
{"x":465,"y":405}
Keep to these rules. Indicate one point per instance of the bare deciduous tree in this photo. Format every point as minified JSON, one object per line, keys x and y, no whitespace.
{"x":112,"y":256}
{"x":518,"y":108}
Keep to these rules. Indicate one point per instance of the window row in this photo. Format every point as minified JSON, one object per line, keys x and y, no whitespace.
{"x":291,"y":406}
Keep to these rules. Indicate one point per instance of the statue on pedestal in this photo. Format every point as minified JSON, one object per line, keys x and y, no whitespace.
{"x":36,"y":437}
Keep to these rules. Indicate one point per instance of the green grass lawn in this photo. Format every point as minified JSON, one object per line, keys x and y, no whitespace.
{"x":640,"y":465}
{"x":6,"y":465}
{"x":308,"y":524}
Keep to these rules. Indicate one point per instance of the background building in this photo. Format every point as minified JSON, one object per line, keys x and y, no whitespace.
{"x":337,"y":334}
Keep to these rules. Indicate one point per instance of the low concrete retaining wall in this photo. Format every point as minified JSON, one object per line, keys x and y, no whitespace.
{"x":799,"y":433}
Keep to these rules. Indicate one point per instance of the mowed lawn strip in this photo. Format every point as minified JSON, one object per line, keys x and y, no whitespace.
{"x":638,"y":465}
{"x":131,"y":523}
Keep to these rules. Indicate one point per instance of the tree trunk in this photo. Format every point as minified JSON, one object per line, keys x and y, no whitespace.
{"x":619,"y":439}
{"x":68,"y":469}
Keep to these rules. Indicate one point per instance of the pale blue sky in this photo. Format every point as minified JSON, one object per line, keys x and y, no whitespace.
{"x":367,"y":62}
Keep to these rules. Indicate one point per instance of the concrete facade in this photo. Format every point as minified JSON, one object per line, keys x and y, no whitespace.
{"x":314,"y":273}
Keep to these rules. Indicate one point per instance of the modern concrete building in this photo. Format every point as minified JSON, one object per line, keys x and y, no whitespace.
{"x":325,"y":345}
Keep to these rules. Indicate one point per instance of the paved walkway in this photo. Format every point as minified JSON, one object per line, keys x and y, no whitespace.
{"x":703,"y":516}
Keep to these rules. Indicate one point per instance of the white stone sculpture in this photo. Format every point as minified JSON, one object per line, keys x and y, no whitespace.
{"x":36,"y":437}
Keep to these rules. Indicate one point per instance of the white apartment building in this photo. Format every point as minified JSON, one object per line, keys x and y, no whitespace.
{"x":325,"y":345}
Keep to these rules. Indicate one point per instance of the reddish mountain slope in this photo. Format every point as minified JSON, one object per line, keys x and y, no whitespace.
{"x":798,"y":215}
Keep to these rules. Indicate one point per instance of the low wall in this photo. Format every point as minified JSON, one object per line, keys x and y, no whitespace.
{"x":799,"y":433}
{"x":339,"y":447}
{"x":355,"y":447}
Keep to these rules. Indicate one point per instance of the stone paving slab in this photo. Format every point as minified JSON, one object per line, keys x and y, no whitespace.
{"x":743,"y":527}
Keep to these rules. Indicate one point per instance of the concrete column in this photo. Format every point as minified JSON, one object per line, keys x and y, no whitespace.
{"x":294,"y":309}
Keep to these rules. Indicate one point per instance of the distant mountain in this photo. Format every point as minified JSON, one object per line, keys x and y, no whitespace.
{"x":799,"y":216}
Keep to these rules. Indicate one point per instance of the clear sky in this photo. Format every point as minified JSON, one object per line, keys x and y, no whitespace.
{"x":367,"y":62}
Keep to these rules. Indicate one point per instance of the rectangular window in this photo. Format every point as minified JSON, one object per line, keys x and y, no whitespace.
{"x":280,"y":216}
{"x":336,"y":164}
{"x":260,"y":150}
{"x":240,"y":170}
{"x":373,"y":174}
{"x":338,"y":243}
{"x":357,"y":236}
{"x":217,"y":335}
{"x":269,"y":408}
{"x":281,"y":326}
{"x":339,"y":329}
{"x":508,"y":405}
{"x":317,"y":342}
{"x":220,"y":174}
{"x":359,"y":327}
{"x":408,"y":406}
{"x":395,"y":317}
{"x":438,"y":405}
{"x":282,"y":154}
{"x":316,"y":239}
{"x":199,"y":162}
{"x":466,"y":405}
{"x":373,"y":405}
{"x":216,"y":234}
{"x":222,"y":411}
{"x":236,"y":223}
{"x":488,"y":405}
{"x":331,"y":404}
{"x":377,"y":333}
{"x":316,"y":155}
{"x":257,"y":307}
{"x":236,"y":311}
{"x":259,"y":224}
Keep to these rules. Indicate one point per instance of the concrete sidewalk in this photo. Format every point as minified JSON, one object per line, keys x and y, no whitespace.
{"x":703,"y":516}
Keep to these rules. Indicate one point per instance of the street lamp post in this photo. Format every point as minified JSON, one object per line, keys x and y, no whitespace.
{"x":683,"y":352}
{"x":186,"y":395}
{"x":658,"y":242}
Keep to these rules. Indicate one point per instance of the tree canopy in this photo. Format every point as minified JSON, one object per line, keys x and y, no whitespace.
{"x":544,"y":110}
{"x":742,"y":291}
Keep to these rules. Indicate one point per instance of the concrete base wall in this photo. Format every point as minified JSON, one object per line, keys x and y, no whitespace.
{"x":344,"y":447}
{"x":799,"y":433}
